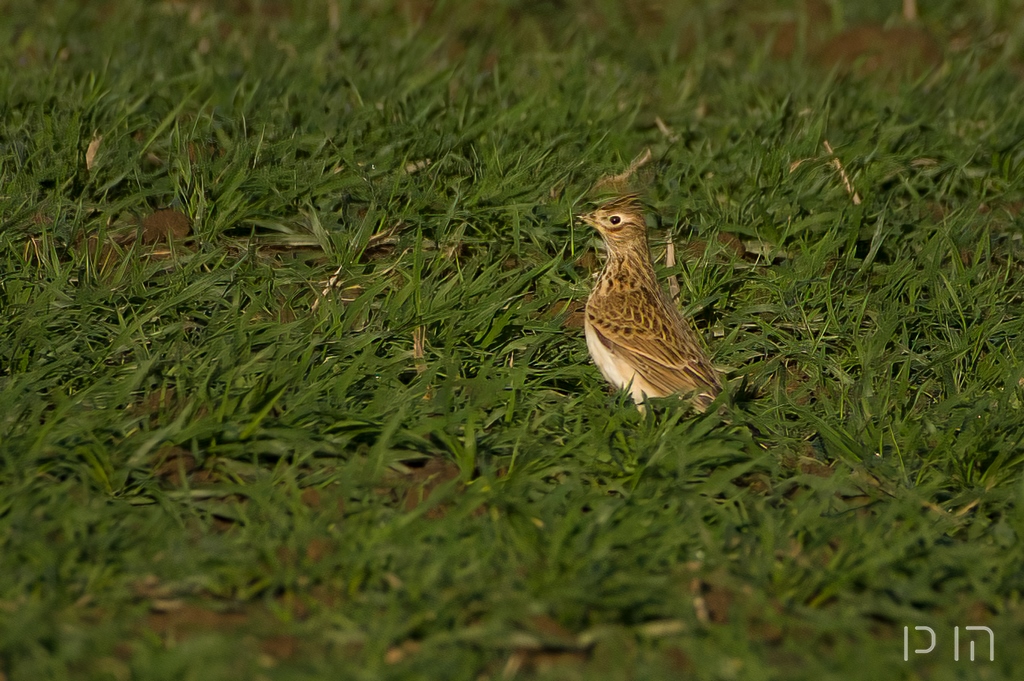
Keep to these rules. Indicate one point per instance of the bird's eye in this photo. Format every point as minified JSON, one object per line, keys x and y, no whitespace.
{"x":615,"y":219}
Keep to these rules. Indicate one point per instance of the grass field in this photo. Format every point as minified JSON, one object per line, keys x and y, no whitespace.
{"x":293,"y":383}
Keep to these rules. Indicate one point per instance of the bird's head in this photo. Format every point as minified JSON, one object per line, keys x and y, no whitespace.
{"x":620,"y":220}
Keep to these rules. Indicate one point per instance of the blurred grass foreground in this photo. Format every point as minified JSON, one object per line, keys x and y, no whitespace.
{"x":293,"y":383}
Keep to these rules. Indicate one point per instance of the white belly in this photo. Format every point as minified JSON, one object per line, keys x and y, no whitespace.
{"x":616,"y":370}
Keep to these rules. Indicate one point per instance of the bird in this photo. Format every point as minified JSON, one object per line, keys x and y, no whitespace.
{"x":636,"y":335}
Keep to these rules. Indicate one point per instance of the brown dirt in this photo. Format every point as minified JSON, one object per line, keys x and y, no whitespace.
{"x":188,"y":619}
{"x":281,"y":647}
{"x":165,"y":224}
{"x":425,"y":480}
{"x":679,"y":661}
{"x":719,"y":600}
{"x":904,"y":50}
{"x":869,"y":49}
{"x":170,"y":462}
{"x":310,"y":497}
{"x":695,"y":248}
{"x":572,"y":309}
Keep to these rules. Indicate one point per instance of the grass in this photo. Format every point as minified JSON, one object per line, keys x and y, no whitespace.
{"x":214,"y":465}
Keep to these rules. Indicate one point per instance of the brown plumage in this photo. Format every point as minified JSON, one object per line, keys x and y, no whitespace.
{"x":636,"y":335}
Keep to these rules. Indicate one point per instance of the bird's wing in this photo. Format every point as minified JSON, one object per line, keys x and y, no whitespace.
{"x":662,"y":348}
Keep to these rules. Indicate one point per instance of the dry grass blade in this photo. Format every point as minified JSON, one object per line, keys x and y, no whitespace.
{"x":665,"y":130}
{"x":331,"y":284}
{"x":838,"y":165}
{"x":618,"y":182}
{"x":700,"y":606}
{"x":385,"y":237}
{"x":670,"y":261}
{"x":413,"y":167}
{"x":90,"y":152}
{"x":418,"y":337}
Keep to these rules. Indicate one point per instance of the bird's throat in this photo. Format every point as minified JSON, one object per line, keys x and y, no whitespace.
{"x":628,"y":266}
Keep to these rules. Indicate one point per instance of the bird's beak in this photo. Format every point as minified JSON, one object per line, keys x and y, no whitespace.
{"x":589,"y":219}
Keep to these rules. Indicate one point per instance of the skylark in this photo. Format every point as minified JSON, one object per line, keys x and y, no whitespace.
{"x":636,"y":335}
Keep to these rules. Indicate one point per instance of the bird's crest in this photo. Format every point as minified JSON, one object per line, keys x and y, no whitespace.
{"x":627,"y":202}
